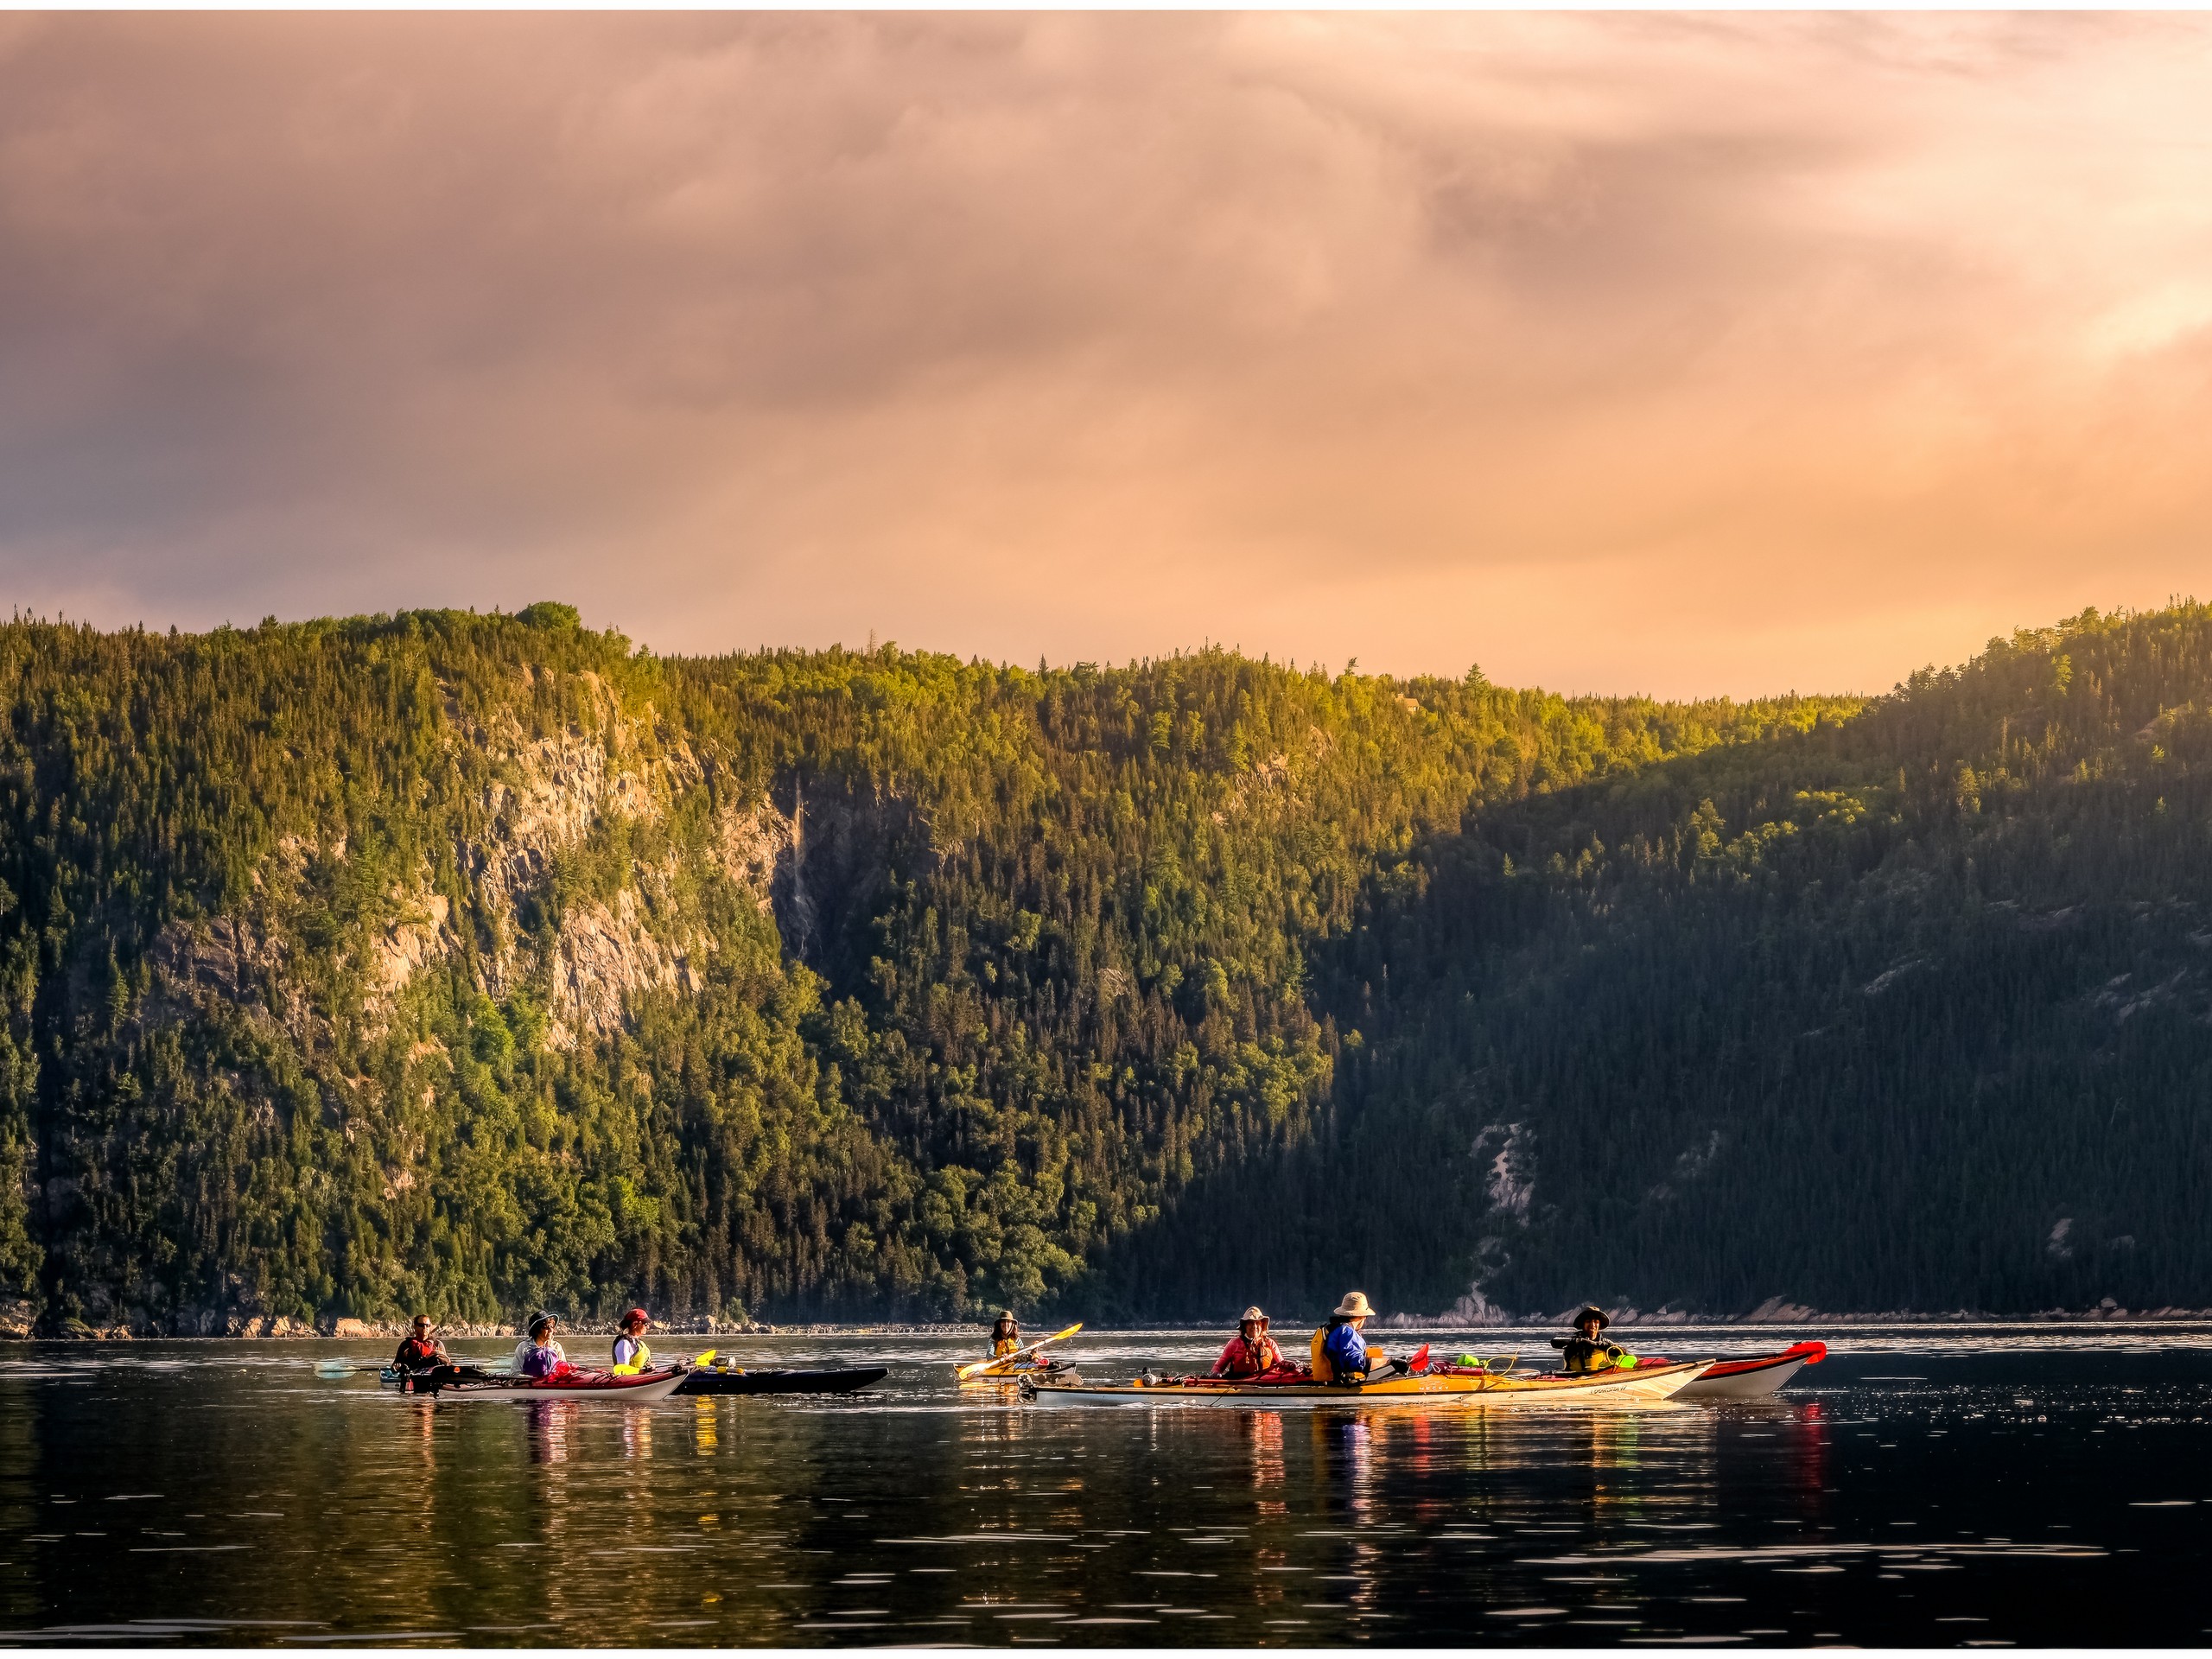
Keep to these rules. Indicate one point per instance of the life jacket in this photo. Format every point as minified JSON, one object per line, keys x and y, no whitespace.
{"x":1002,"y":1346}
{"x":1242,"y":1358}
{"x":416,"y":1355}
{"x":1325,"y":1369}
{"x":641,"y":1358}
{"x":1583,"y":1355}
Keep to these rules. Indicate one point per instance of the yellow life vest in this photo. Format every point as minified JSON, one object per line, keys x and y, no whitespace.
{"x":1006,"y":1346}
{"x":1325,"y":1370}
{"x":641,"y":1359}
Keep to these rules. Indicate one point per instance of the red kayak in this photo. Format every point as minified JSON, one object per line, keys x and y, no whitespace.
{"x":1753,"y":1379}
{"x":642,"y":1389}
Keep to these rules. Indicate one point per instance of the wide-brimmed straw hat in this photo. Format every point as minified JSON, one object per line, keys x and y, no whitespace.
{"x":1252,"y":1316}
{"x":1354,"y":1307}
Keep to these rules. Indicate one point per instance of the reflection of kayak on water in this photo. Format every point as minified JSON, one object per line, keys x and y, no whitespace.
{"x":842,"y":1379}
{"x":1438,"y":1386}
{"x":466,"y":1382}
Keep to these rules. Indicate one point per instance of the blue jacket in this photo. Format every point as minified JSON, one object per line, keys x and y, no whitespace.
{"x":1347,"y":1351}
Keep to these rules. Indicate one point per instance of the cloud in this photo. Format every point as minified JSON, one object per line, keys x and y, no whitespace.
{"x":1619,"y":351}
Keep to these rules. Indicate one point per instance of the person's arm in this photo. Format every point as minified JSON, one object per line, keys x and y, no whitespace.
{"x":1220,"y":1361}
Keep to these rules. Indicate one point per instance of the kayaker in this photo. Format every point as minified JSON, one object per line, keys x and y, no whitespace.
{"x":538,"y":1355}
{"x":1588,"y":1349}
{"x":421,"y":1351}
{"x":1341,"y":1353}
{"x":1006,"y":1335}
{"x":631,"y":1354}
{"x":1251,"y":1350}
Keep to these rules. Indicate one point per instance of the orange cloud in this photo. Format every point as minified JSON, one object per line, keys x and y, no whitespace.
{"x":1628,"y":352}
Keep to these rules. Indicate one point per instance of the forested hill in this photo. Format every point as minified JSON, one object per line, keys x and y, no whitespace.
{"x":472,"y":964}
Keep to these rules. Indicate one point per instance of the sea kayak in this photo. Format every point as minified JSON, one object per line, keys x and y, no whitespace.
{"x":1440,"y":1386}
{"x":843,"y":1379}
{"x":1014,"y":1376}
{"x":1754,"y":1379}
{"x":641,"y":1390}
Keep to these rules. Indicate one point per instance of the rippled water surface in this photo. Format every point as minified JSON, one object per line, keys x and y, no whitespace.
{"x":1986,"y":1485}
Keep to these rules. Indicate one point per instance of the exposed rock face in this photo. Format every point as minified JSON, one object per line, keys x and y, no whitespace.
{"x":549,"y":794}
{"x":840,"y":843}
{"x":410,"y":943}
{"x":603,"y":957}
{"x":815,"y":868}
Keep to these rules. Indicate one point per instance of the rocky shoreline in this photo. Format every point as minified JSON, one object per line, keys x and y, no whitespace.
{"x":282,"y":1328}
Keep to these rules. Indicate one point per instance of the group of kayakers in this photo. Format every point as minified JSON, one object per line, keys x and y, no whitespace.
{"x":1337,"y":1353}
{"x":1339,"y":1350}
{"x":537,"y":1355}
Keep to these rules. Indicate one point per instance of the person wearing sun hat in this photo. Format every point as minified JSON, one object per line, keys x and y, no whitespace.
{"x":1341,"y":1354}
{"x":1588,"y":1349}
{"x":537,"y":1355}
{"x":1251,"y":1350}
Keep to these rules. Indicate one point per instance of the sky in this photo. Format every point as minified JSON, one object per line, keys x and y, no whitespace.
{"x":1682,"y":354}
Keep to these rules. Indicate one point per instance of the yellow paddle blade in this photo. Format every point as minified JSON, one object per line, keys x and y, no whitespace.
{"x":702,"y":1359}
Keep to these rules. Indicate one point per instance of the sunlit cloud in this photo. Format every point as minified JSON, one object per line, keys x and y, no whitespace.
{"x":1624,"y":352}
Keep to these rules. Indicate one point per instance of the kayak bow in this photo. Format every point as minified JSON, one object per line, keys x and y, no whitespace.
{"x":1755,"y":1379}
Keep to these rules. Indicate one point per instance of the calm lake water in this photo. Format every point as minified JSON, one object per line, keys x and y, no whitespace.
{"x":1986,"y":1484}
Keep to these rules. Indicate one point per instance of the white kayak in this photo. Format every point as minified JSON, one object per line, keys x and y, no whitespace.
{"x":1439,"y":1387}
{"x":1754,"y":1379}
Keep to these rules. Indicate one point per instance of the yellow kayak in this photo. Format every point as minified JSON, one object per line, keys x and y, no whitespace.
{"x":1645,"y":1385}
{"x":999,"y":1376}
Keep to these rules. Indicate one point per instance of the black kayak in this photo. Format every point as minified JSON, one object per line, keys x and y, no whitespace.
{"x":841,"y":1380}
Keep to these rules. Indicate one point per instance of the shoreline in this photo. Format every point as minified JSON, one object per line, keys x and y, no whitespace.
{"x":352,"y":1329}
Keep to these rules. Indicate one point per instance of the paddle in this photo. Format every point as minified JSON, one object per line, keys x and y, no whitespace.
{"x":993,"y":1363}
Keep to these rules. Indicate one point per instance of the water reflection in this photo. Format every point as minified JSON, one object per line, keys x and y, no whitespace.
{"x":224,"y":1498}
{"x":549,"y":1424}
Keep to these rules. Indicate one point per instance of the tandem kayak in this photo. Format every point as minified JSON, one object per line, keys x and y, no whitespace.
{"x":642,"y":1389}
{"x":1754,"y":1379}
{"x":844,"y":1379}
{"x":1646,"y":1384}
